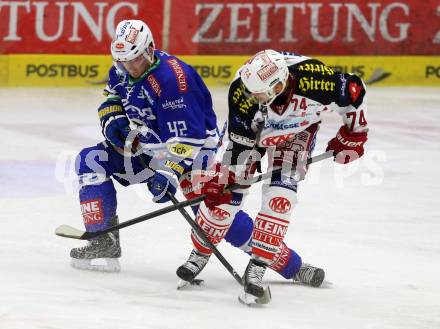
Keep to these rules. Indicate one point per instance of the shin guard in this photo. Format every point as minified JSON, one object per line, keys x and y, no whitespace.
{"x":215,"y":223}
{"x":272,"y":222}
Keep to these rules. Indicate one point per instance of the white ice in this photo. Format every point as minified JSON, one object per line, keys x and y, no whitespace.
{"x":373,"y":226}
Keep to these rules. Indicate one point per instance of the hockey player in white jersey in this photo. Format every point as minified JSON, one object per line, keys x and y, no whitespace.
{"x":275,"y":103}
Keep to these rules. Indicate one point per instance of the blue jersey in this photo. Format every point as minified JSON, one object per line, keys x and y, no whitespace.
{"x":172,"y":101}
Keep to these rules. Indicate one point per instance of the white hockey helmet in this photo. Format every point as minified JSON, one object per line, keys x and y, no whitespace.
{"x":132,"y":39}
{"x":262,"y":73}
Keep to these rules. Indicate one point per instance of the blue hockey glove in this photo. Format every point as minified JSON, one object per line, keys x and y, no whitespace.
{"x":159,"y":184}
{"x":116,"y":129}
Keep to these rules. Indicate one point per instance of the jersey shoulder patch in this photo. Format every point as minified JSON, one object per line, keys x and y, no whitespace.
{"x":172,"y":73}
{"x":351,"y":90}
{"x":181,"y":76}
{"x":315,"y":80}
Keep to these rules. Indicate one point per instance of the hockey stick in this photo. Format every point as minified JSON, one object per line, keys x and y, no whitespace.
{"x":261,"y":300}
{"x":197,"y":228}
{"x":205,"y":239}
{"x":68,"y":231}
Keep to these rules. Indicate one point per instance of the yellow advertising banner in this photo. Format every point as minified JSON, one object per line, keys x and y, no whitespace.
{"x":377,"y":70}
{"x":4,"y":69}
{"x":55,"y":70}
{"x":91,"y":70}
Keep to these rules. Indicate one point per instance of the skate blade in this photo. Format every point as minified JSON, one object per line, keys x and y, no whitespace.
{"x":111,"y":264}
{"x":324,"y":284}
{"x":182,"y":283}
{"x":251,"y":300}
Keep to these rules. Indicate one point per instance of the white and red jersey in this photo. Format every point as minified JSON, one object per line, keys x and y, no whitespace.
{"x":313,"y":88}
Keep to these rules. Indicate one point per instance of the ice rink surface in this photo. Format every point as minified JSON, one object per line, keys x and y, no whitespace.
{"x":372,"y":225}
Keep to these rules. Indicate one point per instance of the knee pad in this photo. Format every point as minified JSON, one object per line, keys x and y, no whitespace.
{"x":91,"y":164}
{"x":240,"y":231}
{"x":214,"y":223}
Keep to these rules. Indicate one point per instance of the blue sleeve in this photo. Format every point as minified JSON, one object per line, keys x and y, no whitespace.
{"x":112,"y":106}
{"x":111,"y":91}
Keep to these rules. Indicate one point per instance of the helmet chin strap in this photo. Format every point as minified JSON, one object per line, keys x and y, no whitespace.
{"x":149,"y":55}
{"x":150,"y":59}
{"x":285,"y":94}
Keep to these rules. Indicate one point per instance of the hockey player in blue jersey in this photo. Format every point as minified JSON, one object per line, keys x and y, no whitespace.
{"x":167,"y":102}
{"x":150,"y":90}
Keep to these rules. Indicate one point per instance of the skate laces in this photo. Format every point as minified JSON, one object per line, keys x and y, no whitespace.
{"x":306,"y":273}
{"x":197,"y":260}
{"x":255,"y":274}
{"x":105,"y":240}
{"x":90,"y":244}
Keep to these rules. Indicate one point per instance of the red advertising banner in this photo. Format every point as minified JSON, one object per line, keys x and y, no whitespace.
{"x":221,"y":27}
{"x":70,"y":27}
{"x":400,"y":27}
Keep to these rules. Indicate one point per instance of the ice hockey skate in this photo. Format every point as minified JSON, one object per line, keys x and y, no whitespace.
{"x":254,"y":292}
{"x":309,"y":275}
{"x":100,"y":254}
{"x":192,"y":267}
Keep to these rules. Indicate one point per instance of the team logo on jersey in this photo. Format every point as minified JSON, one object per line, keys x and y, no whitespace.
{"x":154,"y":84}
{"x":145,"y":113}
{"x":179,"y":73}
{"x":354,"y":90}
{"x":219,"y":214}
{"x":280,"y":205}
{"x":92,"y":211}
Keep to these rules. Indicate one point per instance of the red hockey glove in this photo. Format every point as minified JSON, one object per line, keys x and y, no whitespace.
{"x":351,"y":144}
{"x":214,"y":189}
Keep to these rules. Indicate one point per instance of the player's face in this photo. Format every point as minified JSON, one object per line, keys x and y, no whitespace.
{"x":136,"y":67}
{"x":264,"y":97}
